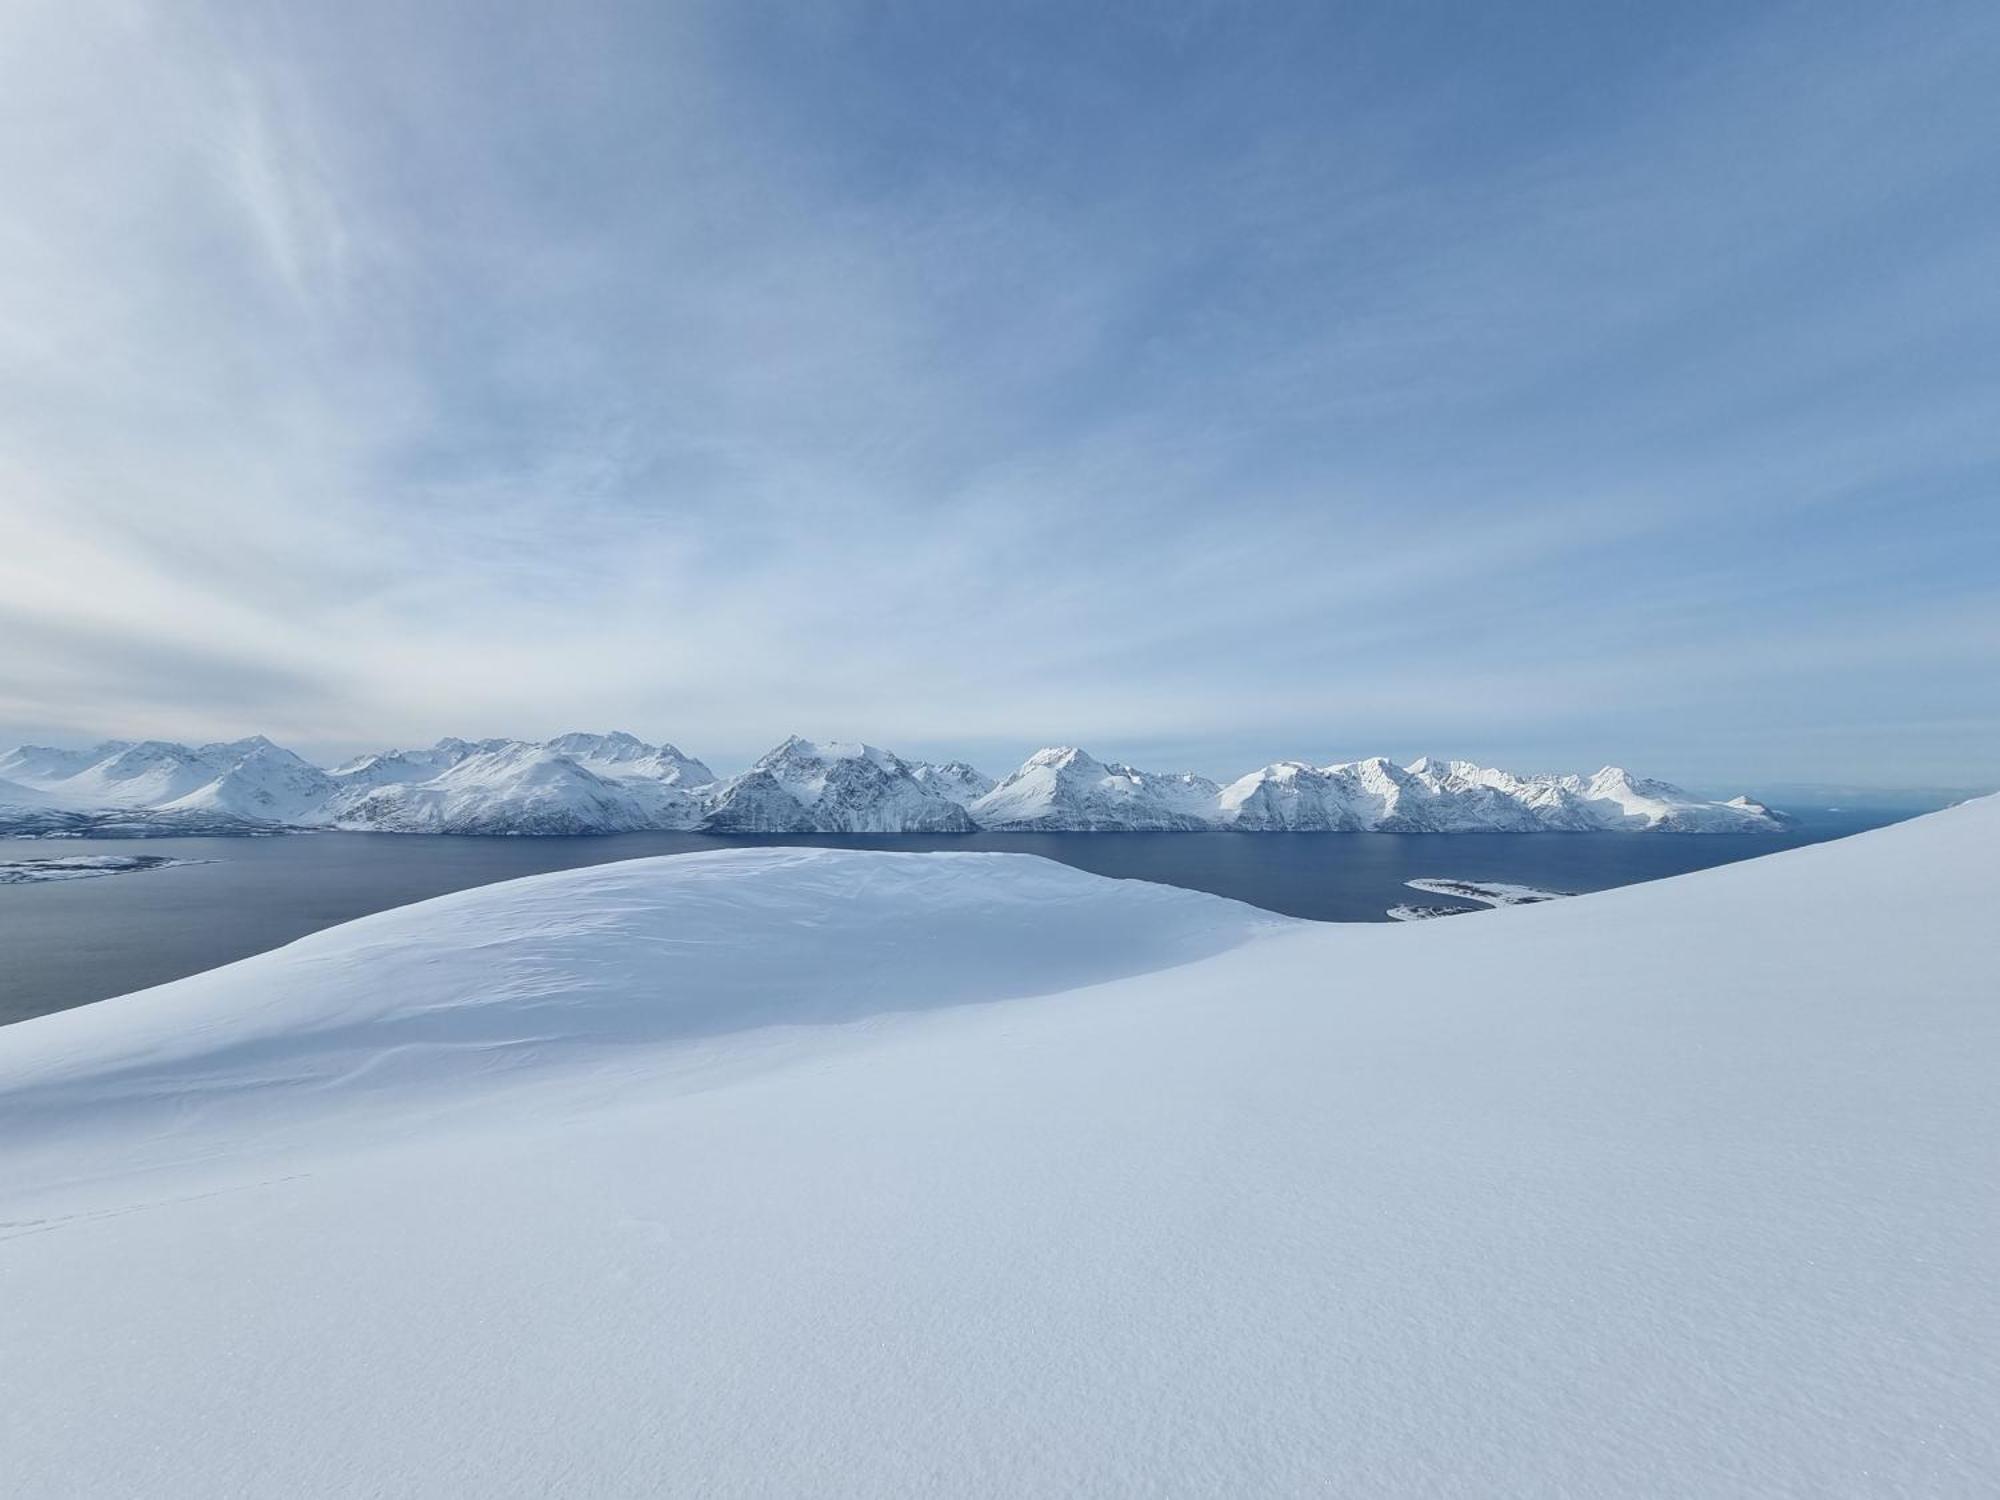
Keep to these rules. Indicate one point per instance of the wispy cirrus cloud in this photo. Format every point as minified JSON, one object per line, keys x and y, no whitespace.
{"x":1176,"y":381}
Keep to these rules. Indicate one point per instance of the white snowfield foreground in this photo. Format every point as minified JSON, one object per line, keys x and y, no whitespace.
{"x":839,"y":1173}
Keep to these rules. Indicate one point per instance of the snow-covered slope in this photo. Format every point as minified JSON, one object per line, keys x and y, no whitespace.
{"x":574,"y":783}
{"x":250,"y":779}
{"x":804,"y":786}
{"x":1430,"y":796}
{"x":1063,"y":788}
{"x":40,"y":765}
{"x":1291,"y":796}
{"x":626,"y":757}
{"x":15,"y":794}
{"x":116,"y":774}
{"x":953,"y":780}
{"x":779,"y":1172}
{"x":1615,"y":798}
{"x":257,"y":780}
{"x":395,"y":767}
{"x":524,"y":789}
{"x":672,"y":949}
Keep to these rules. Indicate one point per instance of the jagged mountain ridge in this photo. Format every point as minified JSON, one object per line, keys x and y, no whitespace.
{"x":252,"y":779}
{"x":1063,"y":789}
{"x":953,"y":780}
{"x":608,"y":783}
{"x":574,"y":783}
{"x":1456,"y":796}
{"x":834,"y":787}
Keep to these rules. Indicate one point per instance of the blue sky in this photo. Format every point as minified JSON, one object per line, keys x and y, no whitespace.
{"x":1546,"y":384}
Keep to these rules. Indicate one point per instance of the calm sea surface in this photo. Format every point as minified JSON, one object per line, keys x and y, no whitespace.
{"x":65,"y":943}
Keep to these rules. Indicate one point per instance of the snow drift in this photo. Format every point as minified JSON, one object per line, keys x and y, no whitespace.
{"x":834,"y":1172}
{"x":641,"y":951}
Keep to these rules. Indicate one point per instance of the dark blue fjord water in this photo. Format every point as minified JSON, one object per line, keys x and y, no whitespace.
{"x":66,"y":943}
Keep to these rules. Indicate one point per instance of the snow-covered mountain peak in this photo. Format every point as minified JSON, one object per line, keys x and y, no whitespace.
{"x":386,"y":766}
{"x":615,"y":746}
{"x":954,"y":780}
{"x":453,"y":747}
{"x":242,"y":779}
{"x":834,"y":786}
{"x":1749,"y":805}
{"x":798,"y":750}
{"x":1292,"y":796}
{"x":1374,"y":765}
{"x":952,"y":767}
{"x":1057,"y":756}
{"x":514,"y":787}
{"x":1377,"y":774}
{"x":1064,"y":788}
{"x":524,"y":762}
{"x":1617,"y":778}
{"x":805,"y":766}
{"x":33,"y":765}
{"x":250,"y":778}
{"x":626,"y":756}
{"x":245,"y":746}
{"x":257,"y":751}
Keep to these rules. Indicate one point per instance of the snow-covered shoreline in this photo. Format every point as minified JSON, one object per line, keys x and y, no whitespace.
{"x":1485,"y":892}
{"x":83,"y":867}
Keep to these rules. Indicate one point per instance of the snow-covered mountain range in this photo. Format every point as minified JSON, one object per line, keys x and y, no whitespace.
{"x":575,"y":783}
{"x":1427,"y":796}
{"x":615,"y":783}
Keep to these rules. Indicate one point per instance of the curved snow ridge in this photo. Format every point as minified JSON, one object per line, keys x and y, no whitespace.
{"x":656,"y":950}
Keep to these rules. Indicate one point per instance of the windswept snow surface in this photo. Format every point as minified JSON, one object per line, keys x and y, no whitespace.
{"x":830,"y":1172}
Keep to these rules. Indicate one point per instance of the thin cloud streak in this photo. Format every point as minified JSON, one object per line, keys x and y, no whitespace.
{"x":400,"y":373}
